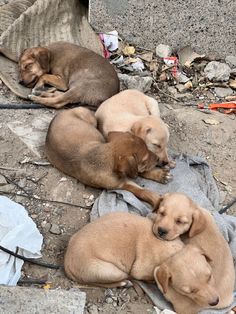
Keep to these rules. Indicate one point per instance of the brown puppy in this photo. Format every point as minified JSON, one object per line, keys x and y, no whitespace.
{"x":80,"y":74}
{"x":179,"y":215}
{"x":131,"y":110}
{"x":114,"y":248}
{"x":187,"y":281}
{"x":76,"y":147}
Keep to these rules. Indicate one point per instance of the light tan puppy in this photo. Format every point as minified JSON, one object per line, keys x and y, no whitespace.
{"x":115,"y":248}
{"x":131,"y":110}
{"x":187,"y":281}
{"x":77,"y":148}
{"x":178,"y":215}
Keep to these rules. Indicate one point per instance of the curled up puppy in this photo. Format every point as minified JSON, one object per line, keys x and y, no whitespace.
{"x":133,"y":111}
{"x":76,"y":74}
{"x":114,"y":249}
{"x":77,"y":148}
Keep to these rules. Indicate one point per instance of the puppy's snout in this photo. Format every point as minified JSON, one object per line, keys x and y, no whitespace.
{"x":215,"y":302}
{"x":162,"y":232}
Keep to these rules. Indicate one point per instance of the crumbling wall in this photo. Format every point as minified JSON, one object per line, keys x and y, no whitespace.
{"x":208,"y":25}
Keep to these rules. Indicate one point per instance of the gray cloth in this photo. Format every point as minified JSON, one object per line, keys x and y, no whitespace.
{"x":192,"y":176}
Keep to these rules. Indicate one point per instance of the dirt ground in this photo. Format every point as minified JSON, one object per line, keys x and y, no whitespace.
{"x":57,"y":221}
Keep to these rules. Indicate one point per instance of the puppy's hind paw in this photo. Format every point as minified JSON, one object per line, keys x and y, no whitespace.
{"x":126,"y":284}
{"x":40,"y":91}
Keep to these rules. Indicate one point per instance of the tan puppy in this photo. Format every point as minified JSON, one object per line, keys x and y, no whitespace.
{"x":80,"y":74}
{"x":131,"y":110}
{"x":77,"y":148}
{"x":187,"y":281}
{"x":114,"y":248}
{"x":179,"y":215}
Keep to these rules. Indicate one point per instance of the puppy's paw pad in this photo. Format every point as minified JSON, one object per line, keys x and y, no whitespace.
{"x":172,"y":164}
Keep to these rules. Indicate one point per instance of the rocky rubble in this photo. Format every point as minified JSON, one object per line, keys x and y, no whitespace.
{"x":182,"y":74}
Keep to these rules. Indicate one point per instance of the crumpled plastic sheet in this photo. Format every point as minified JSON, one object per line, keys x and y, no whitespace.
{"x":19,"y":234}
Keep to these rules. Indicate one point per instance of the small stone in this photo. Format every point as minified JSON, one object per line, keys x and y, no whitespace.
{"x":142,"y":84}
{"x":55,"y":229}
{"x":3,"y":181}
{"x":211,"y":121}
{"x":33,"y":216}
{"x":7,"y":188}
{"x":209,"y":95}
{"x":181,"y":88}
{"x":93,"y":309}
{"x":47,"y":227}
{"x":232,"y":83}
{"x":109,"y":300}
{"x":172,"y":90}
{"x":223,"y":92}
{"x":182,"y":78}
{"x":217,"y":71}
{"x":231,"y":61}
{"x":163,"y":51}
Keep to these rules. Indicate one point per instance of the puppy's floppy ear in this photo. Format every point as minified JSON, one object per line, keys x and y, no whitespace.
{"x":140,"y":130}
{"x":155,"y":209}
{"x":208,"y":259}
{"x":162,"y":277}
{"x":198,"y":223}
{"x":126,"y":166}
{"x":42,"y":55}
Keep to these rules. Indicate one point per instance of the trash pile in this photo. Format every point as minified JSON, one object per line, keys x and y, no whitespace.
{"x":182,"y":74}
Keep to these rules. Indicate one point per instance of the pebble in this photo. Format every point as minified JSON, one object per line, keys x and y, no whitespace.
{"x":163,"y":51}
{"x":211,"y":121}
{"x":217,"y":71}
{"x":93,"y":309}
{"x":223,"y":92}
{"x":142,"y":84}
{"x":231,"y":61}
{"x":55,"y":229}
{"x":3,"y":181}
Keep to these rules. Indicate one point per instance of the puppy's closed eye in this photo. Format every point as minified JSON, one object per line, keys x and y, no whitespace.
{"x":29,"y":66}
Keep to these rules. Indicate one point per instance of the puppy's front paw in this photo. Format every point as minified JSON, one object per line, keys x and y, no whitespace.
{"x":165,"y":176}
{"x":172,"y":164}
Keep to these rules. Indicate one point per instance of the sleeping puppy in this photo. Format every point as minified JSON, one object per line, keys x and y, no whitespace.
{"x":115,"y":248}
{"x":78,"y":75}
{"x":77,"y":148}
{"x":131,"y":110}
{"x":187,"y":281}
{"x":178,"y":215}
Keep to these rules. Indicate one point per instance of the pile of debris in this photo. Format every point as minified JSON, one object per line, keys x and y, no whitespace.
{"x":182,"y":74}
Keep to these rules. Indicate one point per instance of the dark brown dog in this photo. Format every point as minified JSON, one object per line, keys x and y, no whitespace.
{"x":78,"y":75}
{"x":76,"y":147}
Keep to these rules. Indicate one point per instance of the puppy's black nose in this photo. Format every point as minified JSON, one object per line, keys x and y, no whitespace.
{"x":215,"y":302}
{"x":162,"y":232}
{"x":21,"y":82}
{"x":163,"y":163}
